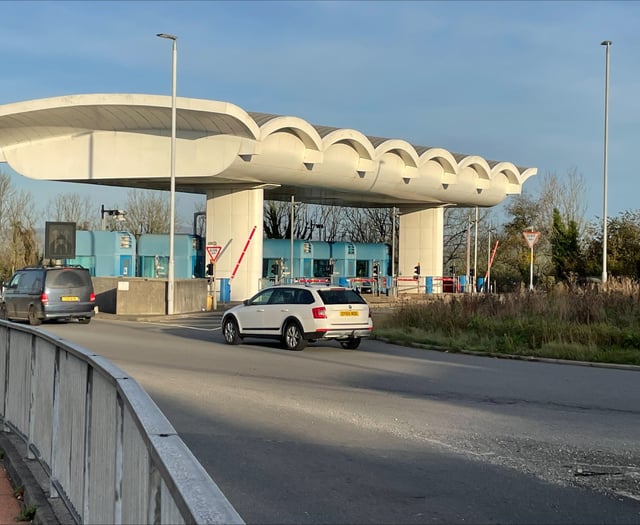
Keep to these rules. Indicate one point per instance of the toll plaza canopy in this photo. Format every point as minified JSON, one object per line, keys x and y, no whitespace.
{"x":239,"y":158}
{"x":123,"y":140}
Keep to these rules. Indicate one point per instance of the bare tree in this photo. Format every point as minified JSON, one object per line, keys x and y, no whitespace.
{"x":200,"y":218}
{"x":147,"y":211}
{"x":329,"y":222}
{"x":6,"y":193}
{"x":368,"y":224}
{"x":566,"y":195}
{"x":71,"y":207}
{"x":276,"y":219}
{"x":18,"y":242}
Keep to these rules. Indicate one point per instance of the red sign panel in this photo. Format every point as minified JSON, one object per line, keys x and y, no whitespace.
{"x":213,"y":252}
{"x":531,"y":238}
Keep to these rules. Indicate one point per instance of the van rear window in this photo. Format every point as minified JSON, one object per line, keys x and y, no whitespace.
{"x":68,"y":278}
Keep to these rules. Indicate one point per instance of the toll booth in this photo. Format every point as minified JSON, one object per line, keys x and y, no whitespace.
{"x":344,"y":257}
{"x":368,"y":257}
{"x":153,"y":256}
{"x":106,"y":253}
{"x":276,"y":254}
{"x":322,"y":259}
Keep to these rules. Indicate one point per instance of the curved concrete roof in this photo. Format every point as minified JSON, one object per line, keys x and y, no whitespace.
{"x":123,"y":139}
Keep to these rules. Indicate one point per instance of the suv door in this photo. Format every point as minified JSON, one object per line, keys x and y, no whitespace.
{"x":279,"y":308}
{"x":251,"y":317}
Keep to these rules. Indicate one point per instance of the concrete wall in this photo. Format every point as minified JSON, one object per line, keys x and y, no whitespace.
{"x":140,"y":296}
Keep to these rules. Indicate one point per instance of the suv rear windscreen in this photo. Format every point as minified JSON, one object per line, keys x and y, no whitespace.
{"x":340,"y":297}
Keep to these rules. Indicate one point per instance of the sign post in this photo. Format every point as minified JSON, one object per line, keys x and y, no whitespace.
{"x":214,"y":252}
{"x":531,"y":237}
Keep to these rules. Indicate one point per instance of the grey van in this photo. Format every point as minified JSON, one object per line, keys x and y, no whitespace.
{"x":40,"y":293}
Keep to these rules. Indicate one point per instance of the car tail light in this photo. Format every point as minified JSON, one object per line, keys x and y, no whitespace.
{"x":44,"y":298}
{"x":320,"y":312}
{"x":92,"y":298}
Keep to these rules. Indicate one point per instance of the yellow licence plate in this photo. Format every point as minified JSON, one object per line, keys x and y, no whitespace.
{"x":65,"y":298}
{"x":348,"y":313}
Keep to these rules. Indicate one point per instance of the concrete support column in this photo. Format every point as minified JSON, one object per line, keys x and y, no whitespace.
{"x":231,"y":217}
{"x":421,"y":241}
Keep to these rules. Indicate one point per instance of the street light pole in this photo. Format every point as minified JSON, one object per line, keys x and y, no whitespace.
{"x":293,"y":200}
{"x":172,"y":205}
{"x":488,"y":283}
{"x":475,"y":255}
{"x":393,"y":251}
{"x":607,"y":44}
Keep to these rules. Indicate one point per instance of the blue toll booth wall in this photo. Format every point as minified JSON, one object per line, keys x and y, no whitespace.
{"x":106,"y":253}
{"x":369,"y":254}
{"x":275,"y":249}
{"x":344,"y":259}
{"x":322,"y":255}
{"x":153,"y":256}
{"x":379,"y":253}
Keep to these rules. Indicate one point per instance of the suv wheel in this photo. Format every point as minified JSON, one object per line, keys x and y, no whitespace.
{"x":230,"y":331}
{"x":34,"y":320}
{"x":84,"y":320}
{"x":293,"y":339}
{"x":351,"y":344}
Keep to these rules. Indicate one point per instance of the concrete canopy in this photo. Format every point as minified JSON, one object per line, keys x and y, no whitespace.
{"x":124,"y":140}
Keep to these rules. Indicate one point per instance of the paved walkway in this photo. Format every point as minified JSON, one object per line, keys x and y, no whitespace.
{"x":9,"y":505}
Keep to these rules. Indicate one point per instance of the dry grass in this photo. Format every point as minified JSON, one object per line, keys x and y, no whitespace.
{"x":568,"y":322}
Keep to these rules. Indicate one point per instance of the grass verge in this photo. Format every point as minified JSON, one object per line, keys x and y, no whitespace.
{"x":572,"y":323}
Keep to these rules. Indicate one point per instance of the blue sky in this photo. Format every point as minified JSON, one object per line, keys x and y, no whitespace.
{"x":516,"y":81}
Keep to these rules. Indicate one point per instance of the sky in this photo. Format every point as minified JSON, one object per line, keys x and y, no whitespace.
{"x":518,"y":81}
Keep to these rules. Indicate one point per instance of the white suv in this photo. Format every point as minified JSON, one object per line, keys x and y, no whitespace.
{"x":297,"y":314}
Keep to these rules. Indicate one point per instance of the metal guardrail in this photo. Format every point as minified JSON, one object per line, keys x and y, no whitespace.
{"x":108,"y":451}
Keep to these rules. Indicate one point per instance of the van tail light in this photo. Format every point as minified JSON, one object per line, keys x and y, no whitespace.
{"x":44,"y":298}
{"x":92,"y":297}
{"x":320,"y":312}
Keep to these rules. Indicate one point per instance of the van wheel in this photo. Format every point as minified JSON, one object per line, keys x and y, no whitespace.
{"x":293,"y":339}
{"x":84,"y":320}
{"x":351,"y":344}
{"x":230,"y":331}
{"x":34,"y":320}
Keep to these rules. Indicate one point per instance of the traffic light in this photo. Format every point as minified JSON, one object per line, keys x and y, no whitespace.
{"x":210,"y":269}
{"x":275,"y":268}
{"x":330,"y":266}
{"x":376,"y":271}
{"x":416,"y":270}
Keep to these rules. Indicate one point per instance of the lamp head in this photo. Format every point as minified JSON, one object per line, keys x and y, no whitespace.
{"x":606,"y":43}
{"x":167,"y":35}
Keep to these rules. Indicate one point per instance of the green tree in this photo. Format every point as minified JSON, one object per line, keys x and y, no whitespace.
{"x":565,"y":248}
{"x":623,"y":246}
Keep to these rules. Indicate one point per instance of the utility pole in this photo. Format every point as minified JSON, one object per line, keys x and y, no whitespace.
{"x":468,"y":249}
{"x":475,"y":255}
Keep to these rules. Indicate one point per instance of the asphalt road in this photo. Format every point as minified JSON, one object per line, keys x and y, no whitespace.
{"x":386,"y":434}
